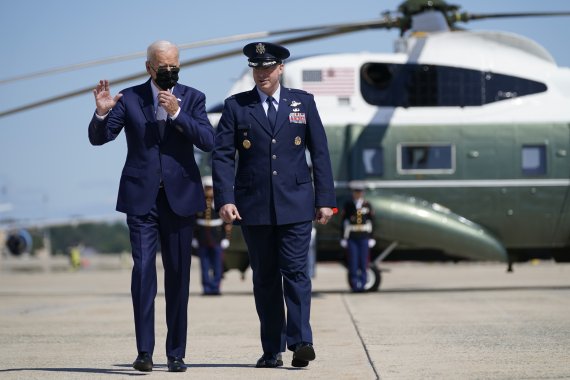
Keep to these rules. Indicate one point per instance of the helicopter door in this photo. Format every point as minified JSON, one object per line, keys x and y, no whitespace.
{"x":366,"y":151}
{"x":540,"y":195}
{"x":560,"y":150}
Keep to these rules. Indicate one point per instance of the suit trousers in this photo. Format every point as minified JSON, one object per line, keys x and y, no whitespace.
{"x":279,"y":259}
{"x":175,"y":234}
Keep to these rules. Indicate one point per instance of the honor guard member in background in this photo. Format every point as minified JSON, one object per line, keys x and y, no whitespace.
{"x":357,"y":227}
{"x":211,"y":237}
{"x":160,"y":189}
{"x":272,"y":195}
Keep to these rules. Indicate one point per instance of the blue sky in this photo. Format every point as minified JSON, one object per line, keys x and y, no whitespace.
{"x":48,"y":169}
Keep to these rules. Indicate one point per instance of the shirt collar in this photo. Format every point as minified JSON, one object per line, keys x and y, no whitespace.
{"x":263,"y":96}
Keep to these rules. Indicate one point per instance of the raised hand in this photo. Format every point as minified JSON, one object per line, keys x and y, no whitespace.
{"x":103,"y":100}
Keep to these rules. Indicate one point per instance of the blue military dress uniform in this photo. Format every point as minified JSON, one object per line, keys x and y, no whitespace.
{"x":209,"y":233}
{"x":276,"y":196}
{"x":357,"y":227}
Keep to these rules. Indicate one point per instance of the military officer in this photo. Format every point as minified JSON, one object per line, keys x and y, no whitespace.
{"x":211,"y":238}
{"x":357,"y":226}
{"x":272,"y":195}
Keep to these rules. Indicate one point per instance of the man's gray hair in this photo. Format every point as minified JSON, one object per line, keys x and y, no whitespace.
{"x":157,"y":46}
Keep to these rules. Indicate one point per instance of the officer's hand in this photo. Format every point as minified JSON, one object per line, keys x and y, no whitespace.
{"x":225,"y":243}
{"x":103,"y":99}
{"x":194,"y":243}
{"x":324,"y":214}
{"x":371,"y":243}
{"x":229,"y":213}
{"x":168,"y":101}
{"x":343,"y":243}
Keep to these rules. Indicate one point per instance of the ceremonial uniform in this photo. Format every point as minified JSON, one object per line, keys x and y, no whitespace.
{"x":211,"y":236}
{"x":276,"y":197}
{"x":357,"y":226}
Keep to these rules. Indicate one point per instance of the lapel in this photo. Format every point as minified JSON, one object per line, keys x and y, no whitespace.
{"x":284,"y":109}
{"x":257,"y":112}
{"x":147,"y":102}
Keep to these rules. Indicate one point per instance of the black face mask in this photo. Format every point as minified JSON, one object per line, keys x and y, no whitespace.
{"x":166,"y":79}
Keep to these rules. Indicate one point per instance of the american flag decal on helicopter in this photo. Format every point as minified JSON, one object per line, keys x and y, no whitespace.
{"x":338,"y":81}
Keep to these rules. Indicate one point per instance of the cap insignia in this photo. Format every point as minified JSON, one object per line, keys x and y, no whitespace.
{"x":260,"y":48}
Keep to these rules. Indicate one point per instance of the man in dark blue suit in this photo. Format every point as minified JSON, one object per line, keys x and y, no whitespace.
{"x":271,"y":194}
{"x":160,"y":189}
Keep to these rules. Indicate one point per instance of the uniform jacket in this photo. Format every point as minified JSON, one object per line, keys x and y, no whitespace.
{"x":357,"y":223}
{"x":151,"y":159}
{"x":272,"y":164}
{"x":210,"y":229}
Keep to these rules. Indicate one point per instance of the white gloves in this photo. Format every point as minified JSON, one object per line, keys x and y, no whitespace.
{"x":371,"y":243}
{"x":225,"y":243}
{"x":343,"y":243}
{"x":194,"y":243}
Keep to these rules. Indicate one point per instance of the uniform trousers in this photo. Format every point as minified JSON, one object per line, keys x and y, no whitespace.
{"x":175,"y":233}
{"x":211,"y":268}
{"x":358,"y":252}
{"x":279,"y":259}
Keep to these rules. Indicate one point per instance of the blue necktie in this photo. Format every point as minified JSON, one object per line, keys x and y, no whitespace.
{"x":271,"y":112}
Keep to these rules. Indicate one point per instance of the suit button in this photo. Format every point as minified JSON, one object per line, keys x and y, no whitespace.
{"x":273,"y":141}
{"x":274,"y":157}
{"x":275,"y":172}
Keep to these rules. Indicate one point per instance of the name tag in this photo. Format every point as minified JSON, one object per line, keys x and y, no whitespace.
{"x":297,"y":117}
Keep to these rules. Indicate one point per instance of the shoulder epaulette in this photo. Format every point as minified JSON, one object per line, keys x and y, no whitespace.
{"x":296,"y":90}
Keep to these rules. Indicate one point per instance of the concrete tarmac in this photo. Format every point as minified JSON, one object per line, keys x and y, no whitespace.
{"x":428,"y":321}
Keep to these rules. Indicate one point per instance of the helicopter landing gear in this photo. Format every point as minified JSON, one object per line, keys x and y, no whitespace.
{"x":374,"y":273}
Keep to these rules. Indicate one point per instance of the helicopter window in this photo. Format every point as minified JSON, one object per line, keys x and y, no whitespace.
{"x":416,"y":85}
{"x":533,"y":159}
{"x":373,"y":161}
{"x":432,"y":158}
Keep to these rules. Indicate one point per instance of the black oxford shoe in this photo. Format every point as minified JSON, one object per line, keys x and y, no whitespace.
{"x":176,"y":365}
{"x":143,"y":362}
{"x":269,"y":361}
{"x":303,"y":354}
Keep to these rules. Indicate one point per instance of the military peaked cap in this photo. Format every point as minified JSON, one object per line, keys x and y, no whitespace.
{"x":264,"y":54}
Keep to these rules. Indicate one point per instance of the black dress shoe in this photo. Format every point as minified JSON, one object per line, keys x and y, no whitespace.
{"x":303,"y":354}
{"x":269,"y":361}
{"x":176,"y":365}
{"x":143,"y":362}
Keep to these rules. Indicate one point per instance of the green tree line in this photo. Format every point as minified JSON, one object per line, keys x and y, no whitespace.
{"x":102,"y":237}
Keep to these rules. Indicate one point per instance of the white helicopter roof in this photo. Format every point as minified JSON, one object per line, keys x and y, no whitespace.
{"x":498,"y":52}
{"x":484,"y":51}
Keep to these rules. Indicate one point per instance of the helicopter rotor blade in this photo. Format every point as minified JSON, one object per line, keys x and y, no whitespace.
{"x":191,"y":45}
{"x":330,"y":32}
{"x":465,"y":17}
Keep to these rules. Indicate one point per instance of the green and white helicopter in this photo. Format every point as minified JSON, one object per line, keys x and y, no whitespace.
{"x":462,"y":137}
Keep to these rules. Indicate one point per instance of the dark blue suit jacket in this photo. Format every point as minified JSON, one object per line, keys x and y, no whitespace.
{"x":272,"y":164}
{"x":150,"y":158}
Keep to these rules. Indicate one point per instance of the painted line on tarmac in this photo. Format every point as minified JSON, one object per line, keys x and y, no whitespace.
{"x":360,"y":337}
